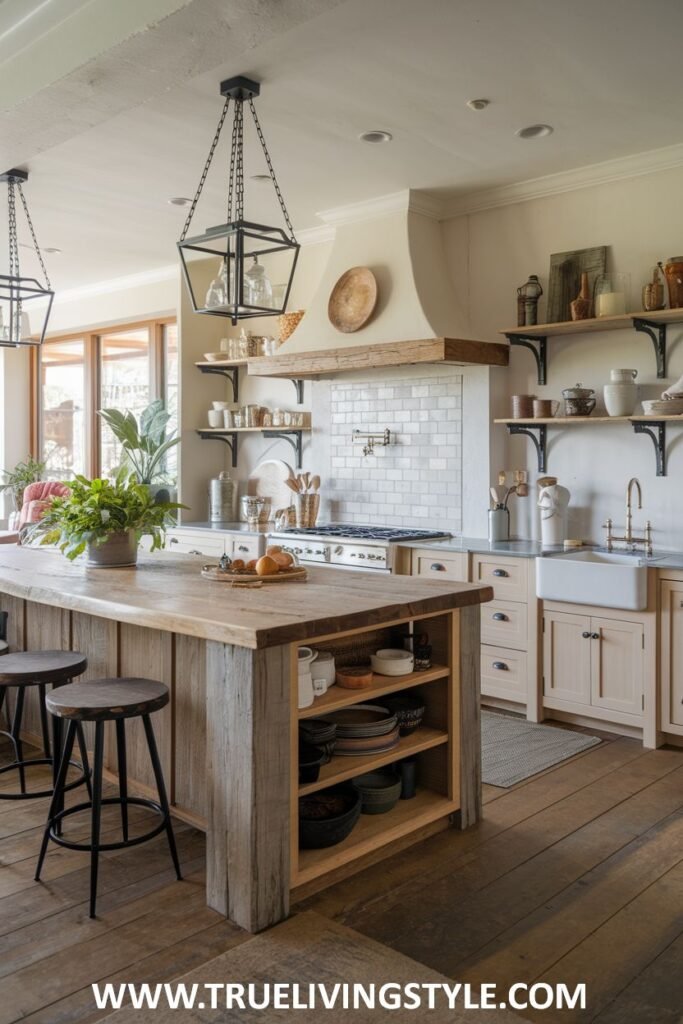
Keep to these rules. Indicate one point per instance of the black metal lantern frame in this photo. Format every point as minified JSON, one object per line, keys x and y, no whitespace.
{"x":19,"y":295}
{"x":239,"y":244}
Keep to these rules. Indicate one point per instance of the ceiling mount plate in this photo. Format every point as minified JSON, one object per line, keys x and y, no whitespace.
{"x":240,"y":88}
{"x":14,"y":175}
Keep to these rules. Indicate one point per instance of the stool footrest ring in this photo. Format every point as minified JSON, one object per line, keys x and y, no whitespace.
{"x":124,"y":844}
{"x":17,"y":765}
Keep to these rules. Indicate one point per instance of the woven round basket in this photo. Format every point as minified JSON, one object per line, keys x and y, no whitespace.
{"x":288,"y":323}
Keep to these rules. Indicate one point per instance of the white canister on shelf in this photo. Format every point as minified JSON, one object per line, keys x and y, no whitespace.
{"x":621,"y":394}
{"x":306,"y":657}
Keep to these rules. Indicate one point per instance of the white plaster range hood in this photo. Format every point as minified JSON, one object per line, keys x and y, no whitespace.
{"x":419,"y":318}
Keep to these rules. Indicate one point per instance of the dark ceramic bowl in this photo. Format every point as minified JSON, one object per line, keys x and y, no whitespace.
{"x":409,"y":709}
{"x":311,"y":760}
{"x":328,"y":817}
{"x":318,"y":732}
{"x":379,"y":791}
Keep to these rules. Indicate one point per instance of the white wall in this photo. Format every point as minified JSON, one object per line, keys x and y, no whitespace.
{"x":641,"y":220}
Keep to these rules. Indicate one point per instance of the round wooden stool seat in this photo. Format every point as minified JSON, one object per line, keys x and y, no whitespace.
{"x":30,"y":668}
{"x":104,"y":700}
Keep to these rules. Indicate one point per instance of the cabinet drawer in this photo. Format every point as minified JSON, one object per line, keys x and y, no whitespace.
{"x":504,"y":623}
{"x":507,"y":576}
{"x":194,"y":542}
{"x":503,"y":673}
{"x":446,"y":566}
{"x":245,"y":547}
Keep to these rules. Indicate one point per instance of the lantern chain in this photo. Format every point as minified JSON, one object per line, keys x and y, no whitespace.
{"x":12,"y":224}
{"x":269,"y":162}
{"x":231,"y":178}
{"x":239,"y":168}
{"x":207,"y":165}
{"x":33,"y":236}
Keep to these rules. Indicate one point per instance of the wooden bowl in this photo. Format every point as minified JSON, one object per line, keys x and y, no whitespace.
{"x":353,"y":300}
{"x":354,"y":677}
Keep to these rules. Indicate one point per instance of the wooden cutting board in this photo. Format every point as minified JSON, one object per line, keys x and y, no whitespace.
{"x":268,"y":481}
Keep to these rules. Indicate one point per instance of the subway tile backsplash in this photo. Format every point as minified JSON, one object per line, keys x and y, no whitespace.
{"x":417,"y":480}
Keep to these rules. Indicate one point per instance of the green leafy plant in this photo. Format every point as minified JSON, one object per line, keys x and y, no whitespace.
{"x":96,"y":509}
{"x":144,"y":444}
{"x":17,"y":480}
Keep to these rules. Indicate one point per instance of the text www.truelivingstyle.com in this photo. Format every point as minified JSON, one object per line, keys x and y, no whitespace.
{"x":340,"y":996}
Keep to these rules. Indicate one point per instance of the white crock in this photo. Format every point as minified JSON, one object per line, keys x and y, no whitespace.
{"x":620,"y":399}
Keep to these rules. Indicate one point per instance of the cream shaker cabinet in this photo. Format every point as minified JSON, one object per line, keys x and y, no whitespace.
{"x":671,"y":654}
{"x":594,"y":663}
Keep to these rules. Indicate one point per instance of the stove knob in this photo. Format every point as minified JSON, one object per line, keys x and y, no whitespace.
{"x":298,"y":551}
{"x":309,"y":551}
{"x":353,"y":554}
{"x":339,"y":550}
{"x":361,"y":556}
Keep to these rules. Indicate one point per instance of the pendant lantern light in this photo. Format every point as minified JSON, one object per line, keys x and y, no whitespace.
{"x":22,"y":299}
{"x":229,"y":269}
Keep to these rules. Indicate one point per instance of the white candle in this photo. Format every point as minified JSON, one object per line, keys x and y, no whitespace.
{"x":610,"y":303}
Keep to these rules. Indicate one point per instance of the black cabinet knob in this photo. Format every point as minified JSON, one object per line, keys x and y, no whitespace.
{"x":500,"y":572}
{"x":501,"y":666}
{"x":586,"y":636}
{"x":595,"y":636}
{"x":437,"y":567}
{"x":499,"y":617}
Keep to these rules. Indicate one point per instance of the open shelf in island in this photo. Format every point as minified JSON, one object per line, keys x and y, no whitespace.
{"x":374,"y":831}
{"x":337,"y":697}
{"x":437,"y":745}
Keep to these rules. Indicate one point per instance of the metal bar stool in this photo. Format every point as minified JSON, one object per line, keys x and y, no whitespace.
{"x":100,"y":701}
{"x":39,"y":668}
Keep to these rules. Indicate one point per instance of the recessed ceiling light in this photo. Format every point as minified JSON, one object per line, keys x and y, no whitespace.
{"x":376,"y":135}
{"x":534,"y":131}
{"x":259,"y":177}
{"x":179,"y":201}
{"x":52,"y":250}
{"x":478,"y":104}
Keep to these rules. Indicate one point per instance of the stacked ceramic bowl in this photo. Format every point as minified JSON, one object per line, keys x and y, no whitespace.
{"x":319,"y":733}
{"x":392,"y":662}
{"x":663,"y":407}
{"x":328,"y":817}
{"x":365,"y":729}
{"x":379,"y":791}
{"x":409,"y":708}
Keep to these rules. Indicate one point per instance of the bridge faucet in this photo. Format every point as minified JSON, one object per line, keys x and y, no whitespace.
{"x":628,"y":539}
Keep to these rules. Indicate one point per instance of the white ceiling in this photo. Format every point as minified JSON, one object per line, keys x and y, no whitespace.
{"x":601,"y":73}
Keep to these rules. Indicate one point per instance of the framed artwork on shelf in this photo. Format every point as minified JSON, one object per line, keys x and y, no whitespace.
{"x":564,"y":280}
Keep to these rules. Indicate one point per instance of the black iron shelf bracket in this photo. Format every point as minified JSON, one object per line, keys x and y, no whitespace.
{"x":538,"y":346}
{"x":657,"y":334}
{"x":228,"y":438}
{"x":293,"y":437}
{"x":232,"y":374}
{"x":299,"y":388}
{"x":538,"y":433}
{"x":656,"y":431}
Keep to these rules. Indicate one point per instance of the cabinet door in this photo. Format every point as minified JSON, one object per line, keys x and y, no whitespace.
{"x":617,"y":669}
{"x":195,"y":542}
{"x":567,"y":657}
{"x":246,"y":547}
{"x":671,"y":604}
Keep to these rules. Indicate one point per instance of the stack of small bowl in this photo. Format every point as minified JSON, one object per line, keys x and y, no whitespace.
{"x":379,"y":790}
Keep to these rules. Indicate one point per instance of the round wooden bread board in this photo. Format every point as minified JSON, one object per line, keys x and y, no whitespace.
{"x":242,"y":576}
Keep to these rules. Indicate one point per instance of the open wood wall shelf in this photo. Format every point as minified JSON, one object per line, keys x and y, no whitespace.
{"x":230,"y":368}
{"x":537,"y":430}
{"x":229,"y":435}
{"x":653,"y":324}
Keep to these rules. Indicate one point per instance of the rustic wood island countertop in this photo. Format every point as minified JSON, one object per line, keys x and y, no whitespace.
{"x":166,"y":591}
{"x":228,"y":738}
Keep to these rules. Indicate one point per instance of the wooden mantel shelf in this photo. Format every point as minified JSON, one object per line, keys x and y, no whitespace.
{"x":327,"y":362}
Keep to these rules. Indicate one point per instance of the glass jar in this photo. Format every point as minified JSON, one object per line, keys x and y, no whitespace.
{"x":257,"y":286}
{"x":673,"y":269}
{"x":612,"y":294}
{"x":653,"y":291}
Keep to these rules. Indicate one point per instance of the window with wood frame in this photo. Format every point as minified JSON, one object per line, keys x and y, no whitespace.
{"x":123,"y":367}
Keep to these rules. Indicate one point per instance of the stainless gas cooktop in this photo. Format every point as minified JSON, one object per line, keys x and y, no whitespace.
{"x":349,"y":546}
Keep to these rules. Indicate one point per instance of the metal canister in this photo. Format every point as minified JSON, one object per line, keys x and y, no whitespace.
{"x":222,"y":499}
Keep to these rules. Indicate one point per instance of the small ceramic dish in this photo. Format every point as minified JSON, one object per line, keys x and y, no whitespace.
{"x":392,"y":662}
{"x":215,"y":357}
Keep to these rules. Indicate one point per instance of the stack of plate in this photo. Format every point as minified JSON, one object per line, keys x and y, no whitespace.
{"x":663,"y":407}
{"x":365,"y":729}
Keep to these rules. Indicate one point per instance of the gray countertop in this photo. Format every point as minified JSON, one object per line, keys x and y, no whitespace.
{"x":227,"y":527}
{"x":532,"y":549}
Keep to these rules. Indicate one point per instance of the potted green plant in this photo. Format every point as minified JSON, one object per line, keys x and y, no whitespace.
{"x":17,"y":480}
{"x":145,"y":444}
{"x":106,"y":519}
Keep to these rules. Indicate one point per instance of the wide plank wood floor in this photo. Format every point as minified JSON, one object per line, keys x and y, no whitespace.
{"x":574,"y":875}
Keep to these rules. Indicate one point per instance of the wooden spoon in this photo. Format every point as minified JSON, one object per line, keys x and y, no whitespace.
{"x":293,"y":485}
{"x":315,"y":483}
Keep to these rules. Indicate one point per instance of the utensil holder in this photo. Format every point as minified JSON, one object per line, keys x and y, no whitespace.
{"x":499,"y":524}
{"x":307,"y":507}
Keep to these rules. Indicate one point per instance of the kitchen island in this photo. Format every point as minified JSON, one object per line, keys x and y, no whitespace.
{"x":228,"y":738}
